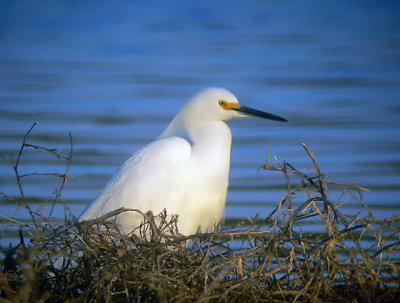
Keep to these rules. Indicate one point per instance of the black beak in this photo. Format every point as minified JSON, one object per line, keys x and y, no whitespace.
{"x":248,"y":111}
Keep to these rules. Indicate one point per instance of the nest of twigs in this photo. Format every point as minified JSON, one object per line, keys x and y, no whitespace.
{"x":267,"y":258}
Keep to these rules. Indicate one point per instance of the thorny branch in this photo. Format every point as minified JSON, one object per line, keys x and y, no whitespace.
{"x":23,"y":201}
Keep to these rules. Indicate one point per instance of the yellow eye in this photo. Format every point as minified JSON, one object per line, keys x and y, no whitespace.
{"x":222,"y":103}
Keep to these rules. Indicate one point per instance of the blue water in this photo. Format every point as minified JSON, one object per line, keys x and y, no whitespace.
{"x":114,"y":74}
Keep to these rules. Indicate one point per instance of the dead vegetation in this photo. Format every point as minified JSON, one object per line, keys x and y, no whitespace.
{"x":268,"y":258}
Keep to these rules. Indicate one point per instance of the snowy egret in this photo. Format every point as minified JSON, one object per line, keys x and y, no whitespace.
{"x":184,"y":171}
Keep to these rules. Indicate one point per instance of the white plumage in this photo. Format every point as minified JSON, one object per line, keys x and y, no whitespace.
{"x":185,"y":171}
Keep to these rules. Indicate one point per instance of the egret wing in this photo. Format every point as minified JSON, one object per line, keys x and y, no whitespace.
{"x":153,"y":179}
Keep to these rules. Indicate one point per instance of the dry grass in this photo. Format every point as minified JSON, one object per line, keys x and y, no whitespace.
{"x":351,"y":258}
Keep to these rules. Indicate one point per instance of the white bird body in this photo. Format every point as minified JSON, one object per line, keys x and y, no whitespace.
{"x":187,"y":177}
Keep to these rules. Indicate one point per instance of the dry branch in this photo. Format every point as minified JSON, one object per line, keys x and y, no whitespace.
{"x":264,"y":260}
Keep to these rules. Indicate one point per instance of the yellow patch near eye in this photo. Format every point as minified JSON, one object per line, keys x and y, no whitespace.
{"x":228,"y":105}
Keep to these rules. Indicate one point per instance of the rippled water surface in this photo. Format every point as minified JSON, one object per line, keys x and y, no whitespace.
{"x":115,"y":73}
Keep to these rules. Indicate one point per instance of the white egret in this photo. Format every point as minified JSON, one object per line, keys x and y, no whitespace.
{"x":184,"y":171}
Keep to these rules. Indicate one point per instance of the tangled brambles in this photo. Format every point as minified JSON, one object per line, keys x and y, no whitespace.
{"x":268,"y":258}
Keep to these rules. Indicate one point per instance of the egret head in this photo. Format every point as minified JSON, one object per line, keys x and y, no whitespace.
{"x":220,"y":104}
{"x":212,"y":104}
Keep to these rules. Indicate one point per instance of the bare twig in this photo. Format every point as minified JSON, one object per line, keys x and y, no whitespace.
{"x":16,"y":166}
{"x":65,"y":177}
